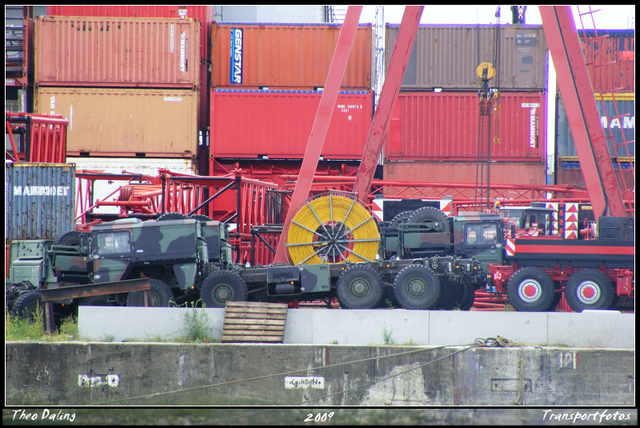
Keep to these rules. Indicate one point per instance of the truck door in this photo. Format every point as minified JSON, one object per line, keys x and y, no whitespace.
{"x":112,"y":255}
{"x":483,"y":240}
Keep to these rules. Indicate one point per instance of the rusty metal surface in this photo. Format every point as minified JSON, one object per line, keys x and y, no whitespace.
{"x":76,"y":291}
{"x":117,"y":52}
{"x":40,"y":200}
{"x":123,"y":122}
{"x":446,"y":56}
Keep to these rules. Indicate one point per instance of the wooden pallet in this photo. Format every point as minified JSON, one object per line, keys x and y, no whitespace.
{"x":254,"y":322}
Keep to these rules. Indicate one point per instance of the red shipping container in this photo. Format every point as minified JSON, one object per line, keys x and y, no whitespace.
{"x":277,"y":56}
{"x":520,"y":173}
{"x":205,"y":14}
{"x":252,"y":124}
{"x":117,"y":52}
{"x":444,"y":126}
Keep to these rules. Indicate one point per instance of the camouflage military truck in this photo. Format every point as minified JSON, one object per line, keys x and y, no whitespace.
{"x":190,"y":258}
{"x":175,"y":252}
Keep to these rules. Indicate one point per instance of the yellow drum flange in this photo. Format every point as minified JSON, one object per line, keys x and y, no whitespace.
{"x":332,"y":229}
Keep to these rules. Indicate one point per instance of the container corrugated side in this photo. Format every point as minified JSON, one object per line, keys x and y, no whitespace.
{"x":275,"y":56}
{"x":125,"y":122}
{"x":204,"y":14}
{"x":568,"y":171}
{"x":446,"y":56}
{"x":618,"y":127}
{"x":277,"y":124}
{"x":525,"y":173}
{"x":444,"y":125}
{"x":40,"y":200}
{"x":610,"y":59}
{"x":148,"y":166}
{"x":117,"y":52}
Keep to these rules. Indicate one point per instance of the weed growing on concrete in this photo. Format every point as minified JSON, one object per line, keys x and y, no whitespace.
{"x":18,"y":328}
{"x":108,"y":338}
{"x":197,"y":324}
{"x":386,"y":335}
{"x":334,"y":342}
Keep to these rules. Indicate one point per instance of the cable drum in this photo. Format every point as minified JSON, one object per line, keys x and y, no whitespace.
{"x":332,"y":229}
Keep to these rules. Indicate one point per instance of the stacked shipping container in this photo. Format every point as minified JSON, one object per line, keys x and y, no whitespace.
{"x":609,"y":56}
{"x":264,"y":94}
{"x":433,"y":135}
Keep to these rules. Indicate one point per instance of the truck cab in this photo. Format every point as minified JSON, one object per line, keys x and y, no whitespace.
{"x":479,"y":235}
{"x":534,"y":220}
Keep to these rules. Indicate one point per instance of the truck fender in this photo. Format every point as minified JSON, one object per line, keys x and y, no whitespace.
{"x":186,"y":274}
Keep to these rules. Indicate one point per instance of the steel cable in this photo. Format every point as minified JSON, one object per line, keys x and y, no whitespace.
{"x":332,"y":229}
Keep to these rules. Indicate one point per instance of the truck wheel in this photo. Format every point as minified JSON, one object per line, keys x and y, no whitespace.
{"x":589,"y":289}
{"x":467,"y":296}
{"x":160,"y":293}
{"x":451,"y":293}
{"x":428,"y":216}
{"x":69,"y":238}
{"x":360,"y":287}
{"x":173,"y":216}
{"x":417,"y":287}
{"x":530,"y":289}
{"x":26,"y":305}
{"x":556,"y":300}
{"x":222,"y":287}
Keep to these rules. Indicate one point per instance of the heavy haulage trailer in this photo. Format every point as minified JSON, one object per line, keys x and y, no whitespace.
{"x":336,"y":252}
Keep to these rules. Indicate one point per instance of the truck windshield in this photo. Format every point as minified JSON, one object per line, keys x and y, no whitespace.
{"x":481,"y":234}
{"x":113,"y":243}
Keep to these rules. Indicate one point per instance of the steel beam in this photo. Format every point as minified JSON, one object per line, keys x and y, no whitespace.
{"x":388,"y":96}
{"x":582,"y":112}
{"x":76,"y":291}
{"x":322,"y":121}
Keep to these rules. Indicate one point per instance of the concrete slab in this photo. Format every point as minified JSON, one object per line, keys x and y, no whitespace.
{"x":462,"y":327}
{"x":592,"y":329}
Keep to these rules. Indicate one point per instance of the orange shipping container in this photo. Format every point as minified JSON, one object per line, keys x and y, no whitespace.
{"x":278,"y":56}
{"x":117,"y":52}
{"x":125,"y":122}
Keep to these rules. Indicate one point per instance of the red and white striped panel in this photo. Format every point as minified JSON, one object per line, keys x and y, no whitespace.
{"x":378,"y":208}
{"x":554,"y":216}
{"x":571,"y":221}
{"x":511,"y":247}
{"x":446,"y":206}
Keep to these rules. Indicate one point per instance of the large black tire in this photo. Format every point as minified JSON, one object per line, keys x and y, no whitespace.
{"x":71,"y":238}
{"x":589,"y":289}
{"x":417,"y":287}
{"x":530,"y":289}
{"x":399,"y":218}
{"x":222,"y":287}
{"x":26,"y":305}
{"x":467,"y":296}
{"x":173,"y":216}
{"x":556,"y":300}
{"x":451,"y":294}
{"x":201,"y":217}
{"x":429,"y":216}
{"x":160,"y":293}
{"x":360,"y":287}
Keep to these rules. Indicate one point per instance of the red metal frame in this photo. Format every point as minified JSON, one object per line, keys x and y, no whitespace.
{"x":323,"y":118}
{"x":582,"y":112}
{"x":388,"y":97}
{"x":45,"y":137}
